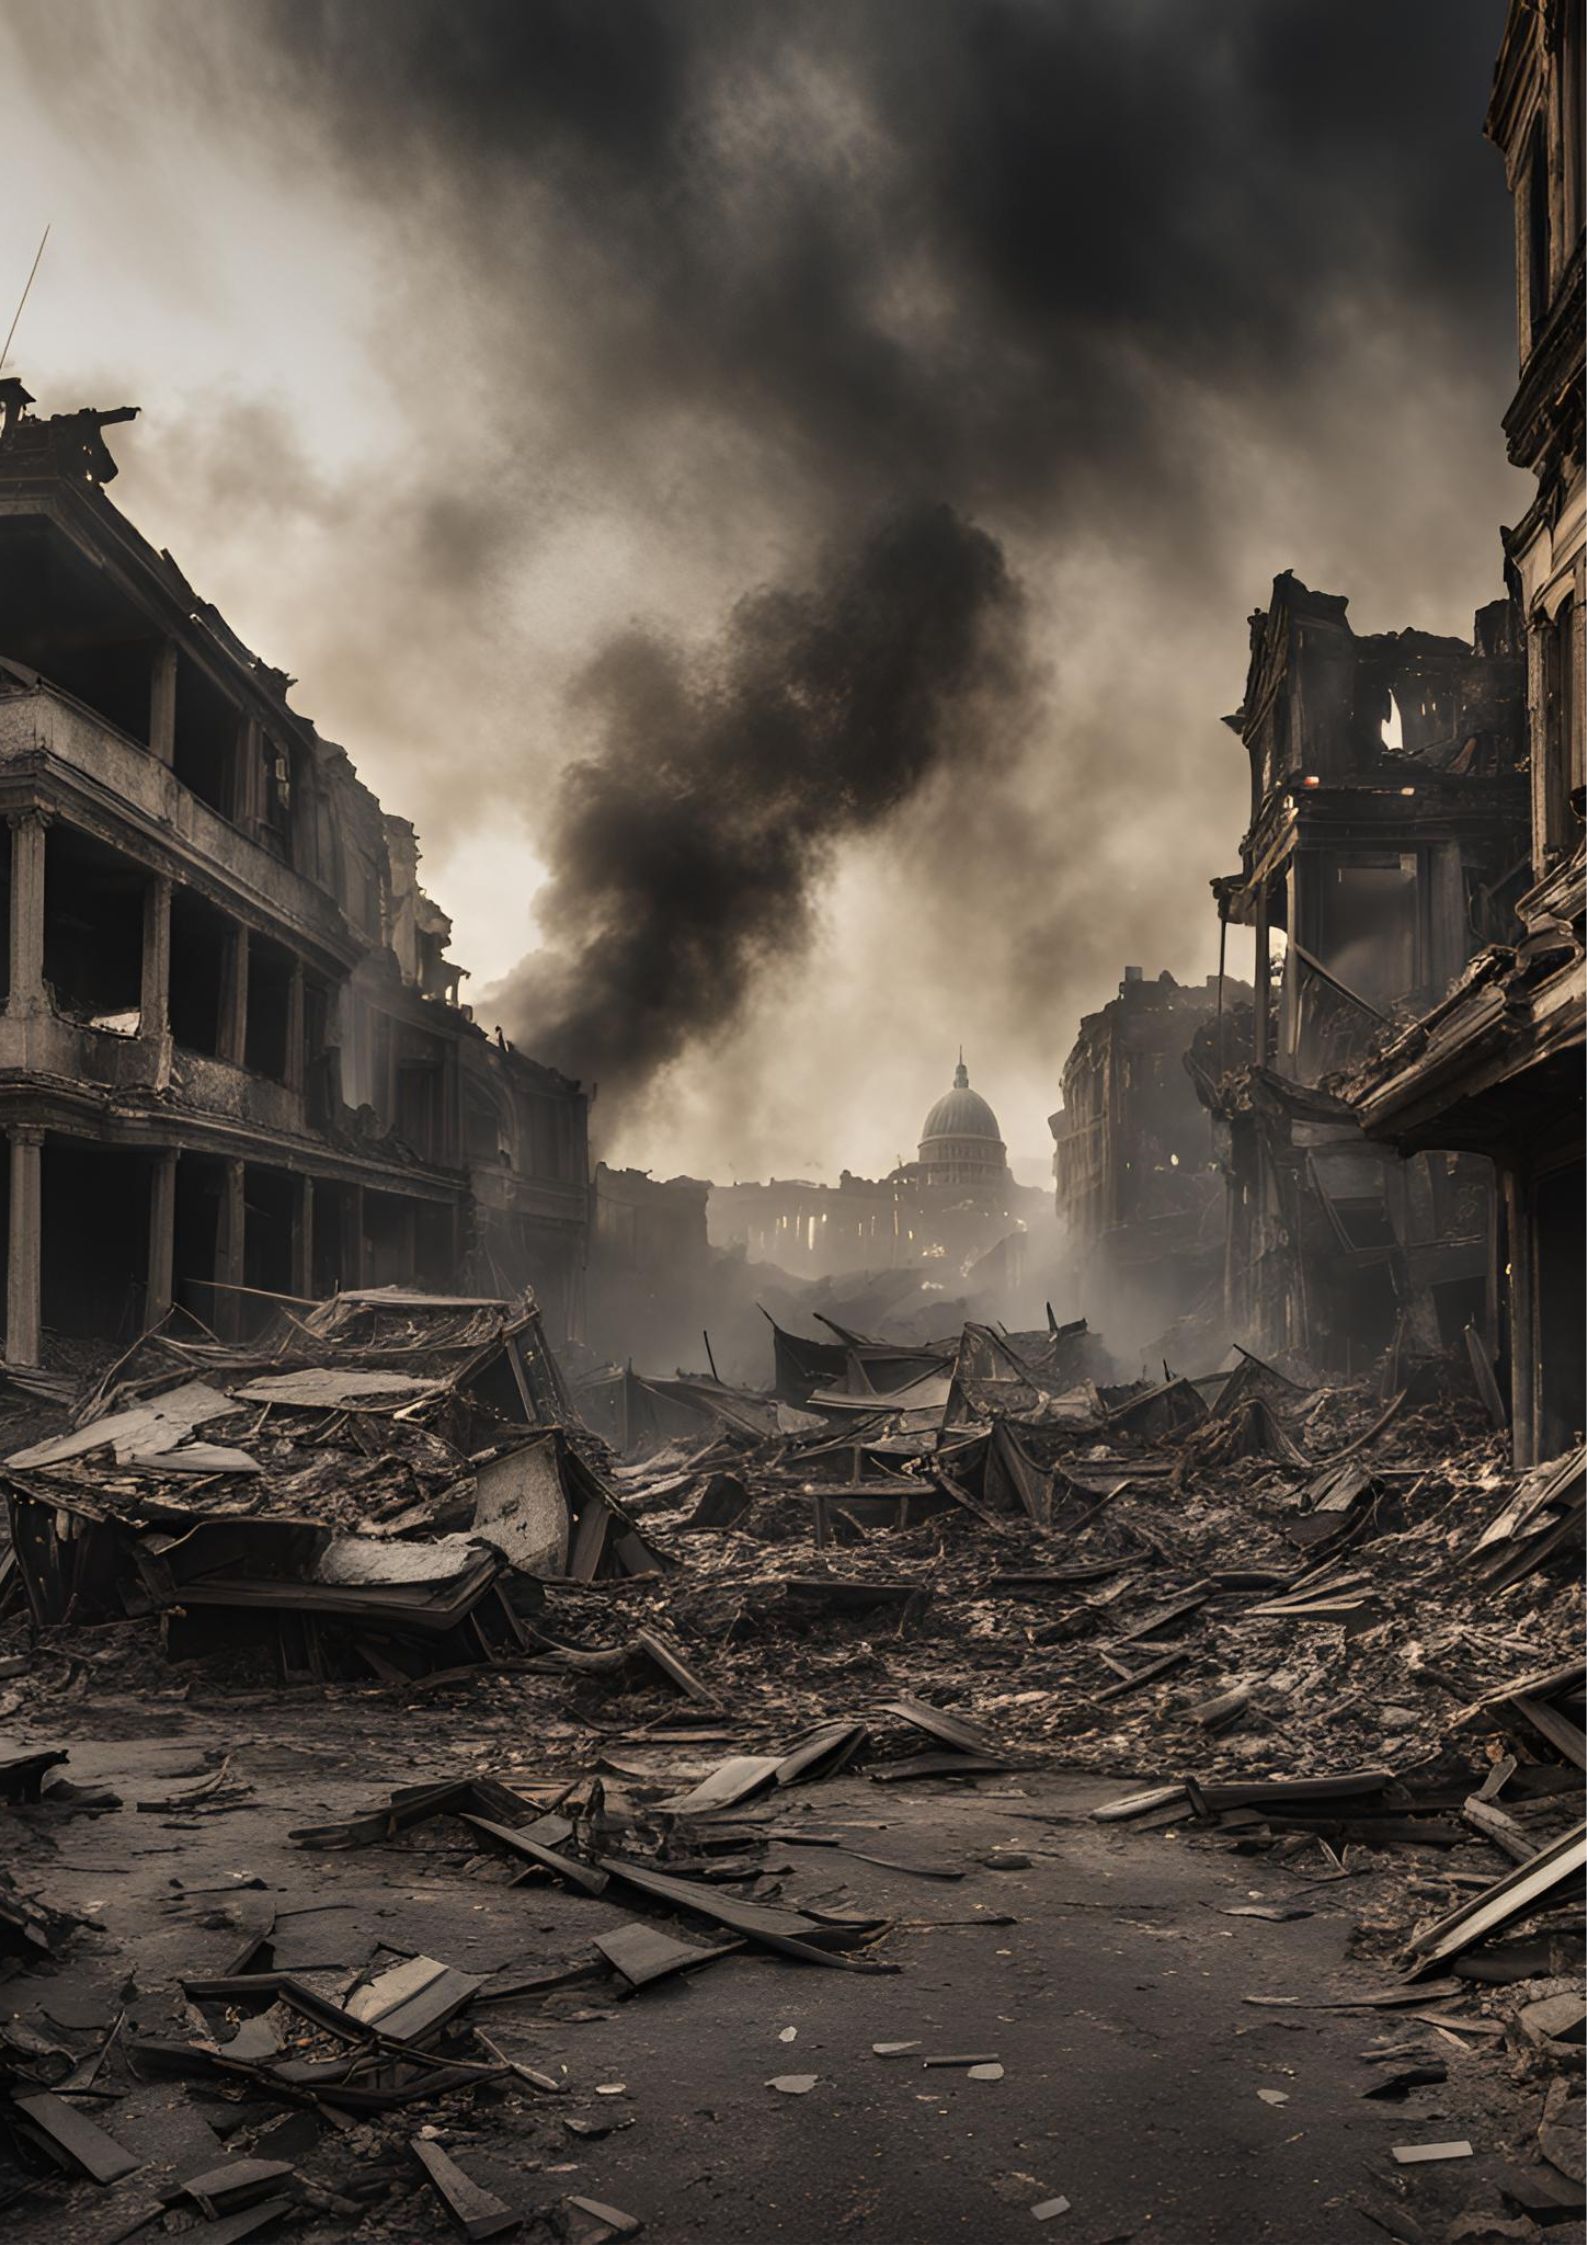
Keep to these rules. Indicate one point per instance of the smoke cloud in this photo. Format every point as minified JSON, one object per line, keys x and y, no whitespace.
{"x":685,"y":848}
{"x":538,"y":333}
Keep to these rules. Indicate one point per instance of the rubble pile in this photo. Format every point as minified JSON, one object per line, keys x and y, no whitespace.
{"x":1309,"y":1623}
{"x":370,"y":1489}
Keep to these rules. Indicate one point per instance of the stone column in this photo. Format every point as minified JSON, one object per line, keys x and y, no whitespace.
{"x":26,"y":994}
{"x":154,"y":1003}
{"x":293,"y":1075}
{"x":230,"y":1247}
{"x":159,"y":1292}
{"x":25,"y":1246}
{"x":162,"y":702}
{"x":234,"y":998}
{"x":303,"y":1239}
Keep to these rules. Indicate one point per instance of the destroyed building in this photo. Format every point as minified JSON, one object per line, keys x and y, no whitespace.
{"x":954,"y":1204}
{"x":232,"y":1055}
{"x":1386,"y":845}
{"x":1138,"y":1189}
{"x":1495,"y":1067}
{"x":803,"y":1226}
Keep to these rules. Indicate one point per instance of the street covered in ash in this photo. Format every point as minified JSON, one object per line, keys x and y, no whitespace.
{"x":1024,"y":1800}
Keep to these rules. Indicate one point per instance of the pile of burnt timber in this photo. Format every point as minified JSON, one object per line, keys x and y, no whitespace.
{"x":1288,"y":1618}
{"x":371,"y":1489}
{"x":1315,"y":1623}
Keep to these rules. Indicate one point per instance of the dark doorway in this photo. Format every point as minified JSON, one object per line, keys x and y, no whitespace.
{"x":1562,"y":1316}
{"x":96,"y":1239}
{"x":199,"y":1183}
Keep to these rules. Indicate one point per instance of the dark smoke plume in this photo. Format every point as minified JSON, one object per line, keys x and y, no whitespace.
{"x":1165,"y":294}
{"x":684,"y":849}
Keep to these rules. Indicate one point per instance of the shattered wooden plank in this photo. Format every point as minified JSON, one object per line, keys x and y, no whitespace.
{"x":641,"y":1953}
{"x":1503,"y":1830}
{"x":413,"y":1999}
{"x":1563,"y":1735}
{"x":544,"y":1858}
{"x":732,"y":1781}
{"x":1147,"y":1675}
{"x":674,"y":1667}
{"x":478,"y":2212}
{"x":74,"y":2137}
{"x":788,"y":1931}
{"x":1556,"y":1871}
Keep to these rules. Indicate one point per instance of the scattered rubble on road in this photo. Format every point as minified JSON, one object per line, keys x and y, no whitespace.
{"x":1302,"y":1622}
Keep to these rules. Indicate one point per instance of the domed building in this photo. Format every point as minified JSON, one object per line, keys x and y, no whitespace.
{"x":960,"y":1144}
{"x":955,"y":1214}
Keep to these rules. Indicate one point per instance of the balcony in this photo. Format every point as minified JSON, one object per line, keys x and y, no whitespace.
{"x":97,"y":761}
{"x":46,"y":1044}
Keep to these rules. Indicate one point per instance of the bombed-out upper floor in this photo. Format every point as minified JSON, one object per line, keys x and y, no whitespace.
{"x":1324,"y":707}
{"x":197,"y":882}
{"x":231,"y":1053}
{"x":118,"y":673}
{"x":1389,"y":817}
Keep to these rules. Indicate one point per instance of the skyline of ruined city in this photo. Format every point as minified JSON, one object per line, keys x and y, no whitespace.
{"x":513,"y":454}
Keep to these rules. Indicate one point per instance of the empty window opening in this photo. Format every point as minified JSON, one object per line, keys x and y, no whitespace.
{"x":200,"y":1180}
{"x":322,"y":1071}
{"x":269,"y":1008}
{"x":1562,"y":745}
{"x":269,"y":1197}
{"x":200,"y":949}
{"x":274,"y":828}
{"x":389,"y":1240}
{"x":65,"y":620}
{"x":1369,"y":924}
{"x":95,"y":1239}
{"x":487,"y":1130}
{"x":420,"y":1092}
{"x":93,"y":930}
{"x":332,"y":1227}
{"x":1537,"y":231}
{"x":435,"y":1244}
{"x":207,"y":729}
{"x":1562,"y":1331}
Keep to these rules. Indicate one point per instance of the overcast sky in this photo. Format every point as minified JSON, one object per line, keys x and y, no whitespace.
{"x":775,"y":488}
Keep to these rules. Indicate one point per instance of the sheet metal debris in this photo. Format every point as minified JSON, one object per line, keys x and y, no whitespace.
{"x":943,"y":1568}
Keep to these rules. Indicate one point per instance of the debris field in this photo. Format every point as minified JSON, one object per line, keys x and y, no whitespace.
{"x":695,"y":1679}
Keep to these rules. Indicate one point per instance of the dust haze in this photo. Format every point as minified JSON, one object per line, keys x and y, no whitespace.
{"x":627,"y":333}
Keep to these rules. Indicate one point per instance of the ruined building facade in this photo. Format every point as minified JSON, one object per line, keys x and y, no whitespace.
{"x":951,"y":1206}
{"x":1388,"y":822}
{"x":1495,"y":1068}
{"x":231,"y":1056}
{"x":1138,"y":1190}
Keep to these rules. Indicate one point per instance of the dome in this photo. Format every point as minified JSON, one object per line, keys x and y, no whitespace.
{"x":961,"y":1141}
{"x":961,"y":1113}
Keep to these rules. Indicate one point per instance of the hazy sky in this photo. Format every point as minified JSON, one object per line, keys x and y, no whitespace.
{"x":847,"y":435}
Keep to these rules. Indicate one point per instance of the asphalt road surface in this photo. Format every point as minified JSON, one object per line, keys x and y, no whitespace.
{"x":1105,"y":1975}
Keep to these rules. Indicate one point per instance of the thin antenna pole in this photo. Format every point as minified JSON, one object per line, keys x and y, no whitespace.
{"x":22,"y":300}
